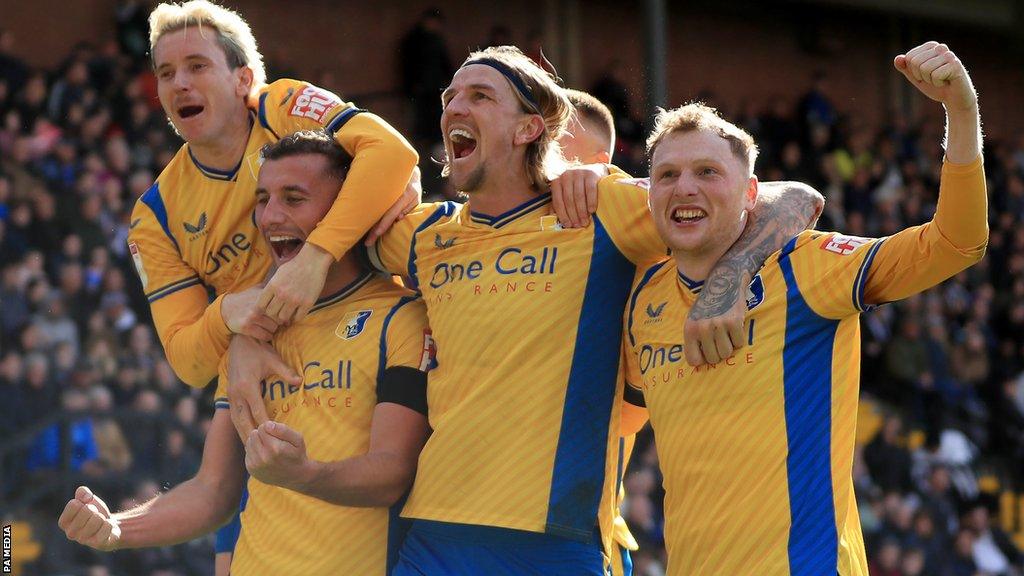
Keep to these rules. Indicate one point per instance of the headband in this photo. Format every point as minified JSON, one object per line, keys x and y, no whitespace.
{"x":512,"y":77}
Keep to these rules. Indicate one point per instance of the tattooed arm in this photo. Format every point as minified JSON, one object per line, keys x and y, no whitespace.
{"x":714,"y":328}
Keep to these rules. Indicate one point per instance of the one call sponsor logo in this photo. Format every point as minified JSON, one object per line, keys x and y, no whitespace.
{"x":324,"y":385}
{"x":226,"y":253}
{"x":535,"y":264}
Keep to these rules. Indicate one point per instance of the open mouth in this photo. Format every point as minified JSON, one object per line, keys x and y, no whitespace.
{"x":285,"y":247}
{"x":688,"y":215}
{"x":189,"y":111}
{"x":463,"y":143}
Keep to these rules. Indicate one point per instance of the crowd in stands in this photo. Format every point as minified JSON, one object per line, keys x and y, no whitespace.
{"x":79,"y":143}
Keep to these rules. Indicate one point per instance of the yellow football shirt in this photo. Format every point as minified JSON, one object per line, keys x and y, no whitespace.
{"x":757,"y":450}
{"x":193,"y":231}
{"x":523,"y":401}
{"x":341,"y":349}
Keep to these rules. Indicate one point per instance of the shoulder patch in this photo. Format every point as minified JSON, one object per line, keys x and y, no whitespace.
{"x":133,"y":249}
{"x":428,"y":356}
{"x":843,"y":245}
{"x":314,"y":103}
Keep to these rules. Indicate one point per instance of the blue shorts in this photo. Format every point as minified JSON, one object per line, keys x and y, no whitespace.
{"x":227,"y":536}
{"x":443,"y":549}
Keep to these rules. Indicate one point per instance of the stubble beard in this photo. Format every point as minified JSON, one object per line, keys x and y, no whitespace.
{"x":474,"y":180}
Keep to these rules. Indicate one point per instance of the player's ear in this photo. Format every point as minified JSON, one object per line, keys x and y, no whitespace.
{"x":751,"y":193}
{"x":602,"y":157}
{"x":244,"y":86}
{"x":530,"y":128}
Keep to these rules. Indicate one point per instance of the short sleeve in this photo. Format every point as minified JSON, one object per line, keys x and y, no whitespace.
{"x":622,"y":210}
{"x":394,"y":252}
{"x":220,"y":397}
{"x":408,"y":341}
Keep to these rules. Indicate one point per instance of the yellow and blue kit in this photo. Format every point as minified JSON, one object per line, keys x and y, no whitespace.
{"x":367,"y":343}
{"x":194,"y":230}
{"x":523,"y":402}
{"x":757,"y":450}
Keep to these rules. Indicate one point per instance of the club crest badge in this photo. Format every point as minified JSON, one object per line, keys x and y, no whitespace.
{"x":352,"y":324}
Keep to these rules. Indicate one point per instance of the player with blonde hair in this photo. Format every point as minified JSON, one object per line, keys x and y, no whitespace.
{"x":193,"y":231}
{"x":757,"y":451}
{"x":519,"y":474}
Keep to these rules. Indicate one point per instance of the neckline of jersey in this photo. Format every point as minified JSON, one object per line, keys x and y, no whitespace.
{"x":348,"y":290}
{"x":214,"y":173}
{"x":511,"y":215}
{"x":690,"y":284}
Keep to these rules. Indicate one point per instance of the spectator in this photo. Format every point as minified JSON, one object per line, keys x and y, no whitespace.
{"x":938,"y":501}
{"x":54,"y":325}
{"x":913,"y":563}
{"x":426,"y":71}
{"x":925,"y":540}
{"x":993,"y":551}
{"x":962,"y":562}
{"x":815,"y":107}
{"x":13,"y":70}
{"x":887,"y":459}
{"x":14,"y":311}
{"x":887,"y":559}
{"x":179,"y":461}
{"x":12,"y":409}
{"x":114,"y":455}
{"x":45,"y":453}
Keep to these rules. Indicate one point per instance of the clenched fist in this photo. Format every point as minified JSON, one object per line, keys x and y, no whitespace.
{"x":936,"y":71}
{"x":86,"y":519}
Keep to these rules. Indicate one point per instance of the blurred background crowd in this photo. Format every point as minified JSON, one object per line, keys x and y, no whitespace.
{"x":89,"y":398}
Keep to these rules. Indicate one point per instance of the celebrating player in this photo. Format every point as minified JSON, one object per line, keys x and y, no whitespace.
{"x":757,"y":450}
{"x":193,"y":230}
{"x":349,"y":434}
{"x":519,"y":473}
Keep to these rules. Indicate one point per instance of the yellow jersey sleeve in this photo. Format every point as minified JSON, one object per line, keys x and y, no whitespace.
{"x":829,"y":270}
{"x":407,"y":339}
{"x":634,"y":409}
{"x":920,"y":257}
{"x":394,"y":252}
{"x":382,"y":160}
{"x":622,"y":211}
{"x":191,"y":329}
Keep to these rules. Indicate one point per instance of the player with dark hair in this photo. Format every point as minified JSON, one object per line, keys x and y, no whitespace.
{"x":343,"y":443}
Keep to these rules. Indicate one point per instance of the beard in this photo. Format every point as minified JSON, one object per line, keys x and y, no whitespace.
{"x":473,"y":181}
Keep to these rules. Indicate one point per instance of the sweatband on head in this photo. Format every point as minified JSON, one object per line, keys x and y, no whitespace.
{"x":512,"y":77}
